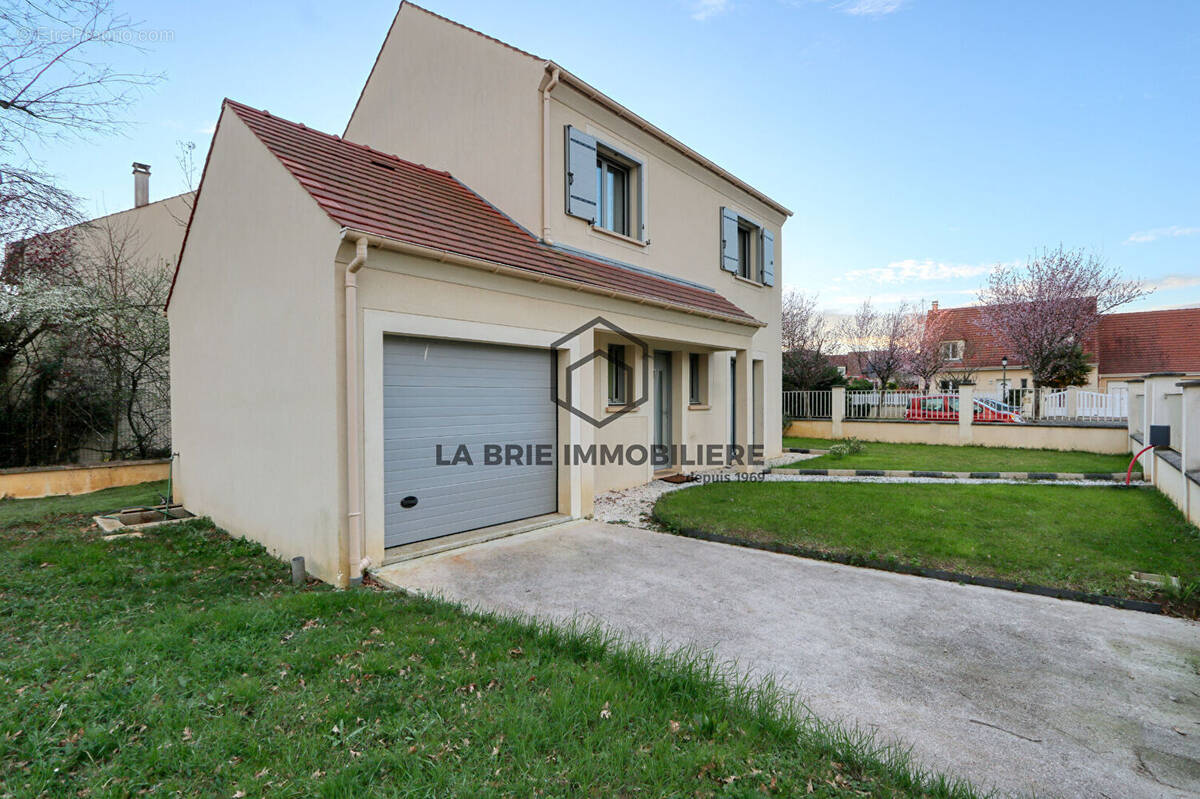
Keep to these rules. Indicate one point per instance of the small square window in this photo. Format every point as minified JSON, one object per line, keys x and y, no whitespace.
{"x":951,"y":350}
{"x":618,"y":375}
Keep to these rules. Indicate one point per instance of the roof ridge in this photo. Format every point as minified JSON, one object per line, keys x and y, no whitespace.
{"x":333,"y":137}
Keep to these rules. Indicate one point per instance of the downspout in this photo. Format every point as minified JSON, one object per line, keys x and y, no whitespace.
{"x":547,"y":87}
{"x":356,"y":548}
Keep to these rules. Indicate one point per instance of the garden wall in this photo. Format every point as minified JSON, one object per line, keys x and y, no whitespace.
{"x":1084,"y":438}
{"x":45,"y":481}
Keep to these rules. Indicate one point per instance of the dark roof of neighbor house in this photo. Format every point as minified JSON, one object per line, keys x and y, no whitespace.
{"x":1150,"y":341}
{"x":379,"y":194}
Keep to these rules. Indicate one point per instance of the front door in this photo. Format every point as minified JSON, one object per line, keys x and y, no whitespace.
{"x":662,"y":398}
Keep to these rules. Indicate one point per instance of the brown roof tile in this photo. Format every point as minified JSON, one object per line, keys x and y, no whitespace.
{"x":1150,"y":341}
{"x":379,"y":194}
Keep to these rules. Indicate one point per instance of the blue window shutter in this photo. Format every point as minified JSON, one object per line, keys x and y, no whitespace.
{"x":581,"y":174}
{"x":768,"y":258}
{"x":729,"y":240}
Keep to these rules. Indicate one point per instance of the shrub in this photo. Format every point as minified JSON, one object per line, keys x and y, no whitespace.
{"x":847,"y":446}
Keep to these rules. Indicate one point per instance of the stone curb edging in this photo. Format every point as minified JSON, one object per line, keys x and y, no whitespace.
{"x":1113,"y":477}
{"x":916,"y":571}
{"x":802,"y":451}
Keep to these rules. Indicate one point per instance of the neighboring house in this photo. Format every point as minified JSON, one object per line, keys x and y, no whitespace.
{"x":120,"y":245}
{"x":470,"y":283}
{"x":852,"y":366}
{"x":1124,"y":346}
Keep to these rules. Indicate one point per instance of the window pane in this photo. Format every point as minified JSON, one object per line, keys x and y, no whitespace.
{"x":744,"y":252}
{"x":620,"y":199}
{"x":616,"y":374}
{"x":694,"y":378}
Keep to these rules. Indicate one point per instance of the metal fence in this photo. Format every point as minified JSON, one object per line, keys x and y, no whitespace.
{"x":895,"y":404}
{"x":1056,"y":404}
{"x":1014,"y":405}
{"x":808,"y":404}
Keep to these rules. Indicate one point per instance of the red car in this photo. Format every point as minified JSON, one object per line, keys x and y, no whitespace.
{"x":944,"y":408}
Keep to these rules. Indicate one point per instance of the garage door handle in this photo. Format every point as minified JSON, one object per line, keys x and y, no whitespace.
{"x":408,"y":502}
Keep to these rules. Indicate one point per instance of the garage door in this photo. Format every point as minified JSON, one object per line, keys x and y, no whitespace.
{"x":456,"y":393}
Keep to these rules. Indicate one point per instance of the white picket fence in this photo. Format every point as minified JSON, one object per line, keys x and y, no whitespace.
{"x":1030,"y":404}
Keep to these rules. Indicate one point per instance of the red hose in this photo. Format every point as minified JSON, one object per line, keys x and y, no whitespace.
{"x":1129,"y":473}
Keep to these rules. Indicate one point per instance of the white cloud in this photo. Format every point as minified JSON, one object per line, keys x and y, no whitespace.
{"x":1143,"y":236}
{"x":705,"y":9}
{"x":848,"y":302}
{"x":911,"y":269}
{"x":1169,"y":282}
{"x":869,"y":8}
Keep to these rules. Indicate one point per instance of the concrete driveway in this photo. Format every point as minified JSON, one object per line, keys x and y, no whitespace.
{"x":1020,"y":693}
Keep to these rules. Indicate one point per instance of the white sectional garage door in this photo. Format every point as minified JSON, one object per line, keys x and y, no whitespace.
{"x":437,"y":391}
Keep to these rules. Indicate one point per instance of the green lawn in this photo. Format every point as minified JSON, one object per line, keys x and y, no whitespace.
{"x":940,"y":457}
{"x":1076,"y":537}
{"x":184,"y":663}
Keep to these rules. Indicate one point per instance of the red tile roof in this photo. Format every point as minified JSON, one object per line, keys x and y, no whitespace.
{"x":1150,"y":341}
{"x":1138,"y":342}
{"x":379,"y":194}
{"x":982,"y":349}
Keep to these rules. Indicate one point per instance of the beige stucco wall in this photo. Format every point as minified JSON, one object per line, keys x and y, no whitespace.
{"x":414,"y":295}
{"x":254,"y":377}
{"x":1109,"y":440}
{"x":489,"y":134}
{"x":153,"y":233}
{"x":443,"y":96}
{"x":56,"y":480}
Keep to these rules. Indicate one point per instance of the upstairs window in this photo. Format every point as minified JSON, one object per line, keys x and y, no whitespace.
{"x":604,"y":185}
{"x":745,"y":251}
{"x":747,"y":248}
{"x":612,"y":180}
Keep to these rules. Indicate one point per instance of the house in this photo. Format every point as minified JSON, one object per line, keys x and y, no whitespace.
{"x":118,"y":264}
{"x":1124,"y":346}
{"x":487,"y":302}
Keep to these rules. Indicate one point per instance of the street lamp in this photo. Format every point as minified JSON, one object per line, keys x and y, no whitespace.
{"x":1004,"y":378}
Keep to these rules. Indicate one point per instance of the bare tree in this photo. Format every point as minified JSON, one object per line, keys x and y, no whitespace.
{"x":54,"y":84}
{"x":806,"y":340}
{"x":926,"y":357}
{"x":122,"y":332}
{"x":1054,"y":301}
{"x":881,"y":339}
{"x":185,"y":159}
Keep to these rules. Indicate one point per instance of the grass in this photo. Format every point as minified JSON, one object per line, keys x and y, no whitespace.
{"x":184,"y":663}
{"x":1076,"y":537}
{"x":946,"y":458}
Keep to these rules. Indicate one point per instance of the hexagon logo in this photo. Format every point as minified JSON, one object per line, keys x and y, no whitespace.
{"x":597,"y":356}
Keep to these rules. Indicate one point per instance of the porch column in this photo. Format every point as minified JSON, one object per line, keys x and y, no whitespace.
{"x":966,"y":411}
{"x":585,"y":387}
{"x":743,"y":402}
{"x":680,"y":388}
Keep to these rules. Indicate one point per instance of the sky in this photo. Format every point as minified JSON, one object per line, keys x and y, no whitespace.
{"x":919,"y":142}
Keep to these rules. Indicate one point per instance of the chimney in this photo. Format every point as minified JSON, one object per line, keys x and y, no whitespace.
{"x":934,"y":306}
{"x":141,"y":184}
